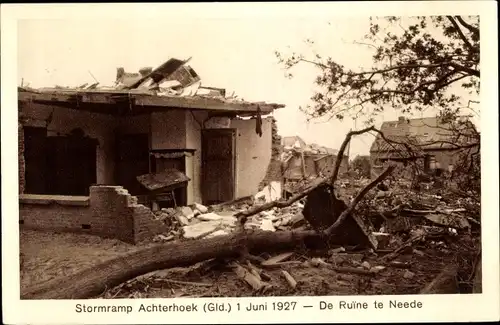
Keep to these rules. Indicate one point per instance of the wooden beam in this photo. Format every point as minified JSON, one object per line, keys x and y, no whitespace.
{"x":203,"y":103}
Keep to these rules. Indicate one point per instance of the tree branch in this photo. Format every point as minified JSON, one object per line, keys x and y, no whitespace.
{"x":471,"y":28}
{"x":243,"y":215}
{"x":439,"y":85}
{"x":402,"y":66}
{"x":321,"y":65}
{"x":449,"y":82}
{"x":473,"y":72}
{"x":460,"y":33}
{"x":453,"y":144}
{"x":457,"y":66}
{"x":340,"y":154}
{"x":330,"y":230}
{"x":365,"y":44}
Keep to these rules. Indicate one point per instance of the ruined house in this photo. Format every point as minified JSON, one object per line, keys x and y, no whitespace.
{"x":166,"y":141}
{"x":433,"y":144}
{"x":305,"y":161}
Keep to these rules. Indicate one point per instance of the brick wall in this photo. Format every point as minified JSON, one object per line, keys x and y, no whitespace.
{"x":109,"y":211}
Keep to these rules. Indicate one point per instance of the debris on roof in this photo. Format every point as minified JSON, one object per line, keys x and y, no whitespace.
{"x":172,"y":84}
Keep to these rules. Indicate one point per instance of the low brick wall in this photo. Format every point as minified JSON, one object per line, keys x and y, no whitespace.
{"x":109,"y":211}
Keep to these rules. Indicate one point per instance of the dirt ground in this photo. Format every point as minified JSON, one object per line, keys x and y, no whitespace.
{"x":49,"y":255}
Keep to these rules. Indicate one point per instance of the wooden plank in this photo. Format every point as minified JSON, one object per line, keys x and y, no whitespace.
{"x":247,"y":277}
{"x":289,"y":278}
{"x":277,"y":259}
{"x":202,"y":103}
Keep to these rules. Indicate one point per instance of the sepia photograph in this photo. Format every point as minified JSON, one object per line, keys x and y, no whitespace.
{"x":241,"y":157}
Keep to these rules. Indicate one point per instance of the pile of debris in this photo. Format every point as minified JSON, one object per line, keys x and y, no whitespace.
{"x":388,"y":212}
{"x":409,"y":226}
{"x":198,"y":221}
{"x":194,"y":222}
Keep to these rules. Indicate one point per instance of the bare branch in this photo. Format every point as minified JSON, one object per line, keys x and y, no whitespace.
{"x":453,"y":144}
{"x":460,"y":33}
{"x":471,"y":28}
{"x":340,"y":154}
{"x":319,"y":64}
{"x":365,"y":44}
{"x":243,"y":215}
{"x":330,"y":230}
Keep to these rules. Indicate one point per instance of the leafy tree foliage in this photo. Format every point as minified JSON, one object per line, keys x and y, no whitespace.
{"x":362,"y":165}
{"x":415,"y":62}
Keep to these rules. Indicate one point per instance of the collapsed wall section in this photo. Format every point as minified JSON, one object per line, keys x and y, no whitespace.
{"x":109,"y":211}
{"x":274,"y":172}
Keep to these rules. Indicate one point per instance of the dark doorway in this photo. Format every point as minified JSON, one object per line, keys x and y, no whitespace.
{"x":132,"y":161}
{"x":218,"y":165}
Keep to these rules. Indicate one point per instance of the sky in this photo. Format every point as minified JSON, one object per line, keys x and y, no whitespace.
{"x":232,"y":53}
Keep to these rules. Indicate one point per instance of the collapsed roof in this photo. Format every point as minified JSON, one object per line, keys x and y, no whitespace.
{"x":172,"y":85}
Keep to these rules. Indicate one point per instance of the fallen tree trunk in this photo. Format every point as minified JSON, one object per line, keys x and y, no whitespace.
{"x":93,"y":281}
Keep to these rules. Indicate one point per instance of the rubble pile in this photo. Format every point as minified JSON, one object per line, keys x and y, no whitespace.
{"x":422,"y":236}
{"x":195,"y":222}
{"x":393,"y":211}
{"x":278,"y":219}
{"x":198,"y":221}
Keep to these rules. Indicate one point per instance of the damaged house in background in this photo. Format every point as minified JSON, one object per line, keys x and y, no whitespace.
{"x":159,"y":134}
{"x":434,"y":144}
{"x":302,"y":161}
